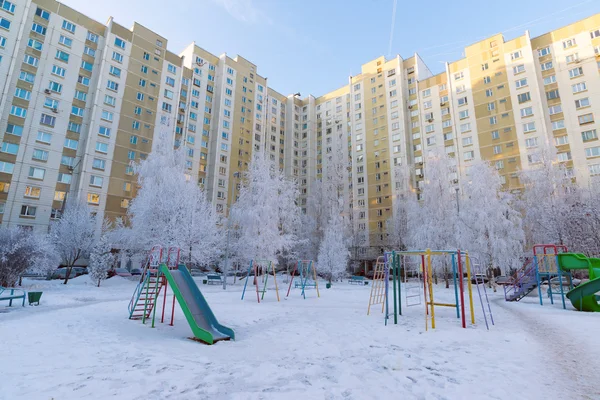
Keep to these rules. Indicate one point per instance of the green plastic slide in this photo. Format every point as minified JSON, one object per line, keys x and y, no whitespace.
{"x":583,"y":297}
{"x":203,"y":322}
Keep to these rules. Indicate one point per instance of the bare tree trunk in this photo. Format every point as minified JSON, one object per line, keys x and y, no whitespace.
{"x":67,"y":274}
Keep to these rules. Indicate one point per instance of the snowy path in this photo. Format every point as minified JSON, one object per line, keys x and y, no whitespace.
{"x":570,"y":349}
{"x":80,"y":345}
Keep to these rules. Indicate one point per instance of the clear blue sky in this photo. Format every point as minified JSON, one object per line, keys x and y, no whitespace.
{"x":312,"y":46}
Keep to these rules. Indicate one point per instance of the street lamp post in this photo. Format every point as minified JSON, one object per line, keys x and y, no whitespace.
{"x":226,"y":269}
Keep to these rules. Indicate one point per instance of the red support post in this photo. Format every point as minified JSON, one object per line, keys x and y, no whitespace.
{"x":462,"y":294}
{"x":163,"y":283}
{"x":173,"y":310}
{"x":292,"y":279}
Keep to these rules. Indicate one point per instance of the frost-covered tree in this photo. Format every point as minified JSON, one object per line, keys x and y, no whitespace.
{"x":101,"y":259}
{"x":333,"y":251}
{"x":549,"y":193}
{"x":73,"y":235}
{"x":433,"y":224}
{"x":490,"y":226}
{"x":266,"y":214}
{"x":170,"y":209}
{"x":23,"y":250}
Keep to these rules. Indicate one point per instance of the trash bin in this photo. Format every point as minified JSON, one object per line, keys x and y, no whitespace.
{"x":204,"y":281}
{"x":34,"y":297}
{"x":328,"y":285}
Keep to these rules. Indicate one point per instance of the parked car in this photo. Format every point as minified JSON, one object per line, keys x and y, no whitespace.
{"x":136,"y":271}
{"x":565,"y":281}
{"x":503,"y":280}
{"x":120,"y":272}
{"x":61,"y":273}
{"x":479,"y":278}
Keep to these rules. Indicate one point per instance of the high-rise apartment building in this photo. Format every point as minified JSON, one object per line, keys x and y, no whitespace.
{"x":82,"y":100}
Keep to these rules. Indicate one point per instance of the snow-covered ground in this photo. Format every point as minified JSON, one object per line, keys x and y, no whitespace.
{"x":79,"y":344}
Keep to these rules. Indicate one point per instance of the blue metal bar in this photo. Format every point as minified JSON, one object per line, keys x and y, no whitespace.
{"x":537,"y":277}
{"x":247,"y":277}
{"x":454,"y":272}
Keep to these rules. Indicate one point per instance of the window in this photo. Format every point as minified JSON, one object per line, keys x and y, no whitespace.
{"x":592,"y":152}
{"x":10,"y":148}
{"x":556,"y":125}
{"x":524,"y":97}
{"x":167,"y":107}
{"x":550,"y":79}
{"x":555,"y":109}
{"x":546,"y":66}
{"x":107,"y":115}
{"x":170,"y":81}
{"x":102,"y":147}
{"x":462,"y":101}
{"x":96,"y":180}
{"x":489,"y":92}
{"x":84,"y":80}
{"x":569,"y":43}
{"x":114,"y":71}
{"x":589,"y":135}
{"x":79,"y":95}
{"x":22,"y":94}
{"x":31,"y":60}
{"x":28,"y":211}
{"x":497,"y":149}
{"x":518,"y":69}
{"x":39,"y":155}
{"x":544,"y":51}
{"x":553,"y":94}
{"x":68,"y":161}
{"x":493,"y":120}
{"x":89,"y":51}
{"x":68,"y":26}
{"x":140,"y":96}
{"x":575,"y":72}
{"x":491,"y":106}
{"x":526,"y":112}
{"x":111,"y":85}
{"x":66,"y":41}
{"x":469,"y":155}
{"x":6,"y":167}
{"x":47,"y":120}
{"x":27,"y":77}
{"x":71,"y":144}
{"x":586,"y":119}
{"x":521,"y":83}
{"x":18,"y":111}
{"x":77,"y":111}
{"x":579,"y":87}
{"x":467,"y":141}
{"x":34,"y":44}
{"x":98,"y":164}
{"x":118,"y":57}
{"x":33,"y":191}
{"x":36,"y":173}
{"x":581,"y":103}
{"x":529,"y":127}
{"x":465,"y":127}
{"x":119,"y":42}
{"x":62,"y":56}
{"x":561,"y":140}
{"x":16,"y":130}
{"x":44,"y":137}
{"x":516,"y":55}
{"x":495,"y":135}
{"x":531,"y":142}
{"x":37,"y":28}
{"x":111,"y":101}
{"x":93,"y":198}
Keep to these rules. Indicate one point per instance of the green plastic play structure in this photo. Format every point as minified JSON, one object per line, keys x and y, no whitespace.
{"x":583,"y":297}
{"x":203,"y":322}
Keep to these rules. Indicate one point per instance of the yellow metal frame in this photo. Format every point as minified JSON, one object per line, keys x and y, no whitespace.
{"x":428,"y":269}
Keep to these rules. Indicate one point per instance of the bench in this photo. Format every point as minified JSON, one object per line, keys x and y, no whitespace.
{"x":213,"y":279}
{"x":11,"y":294}
{"x":306,"y":285}
{"x":356,"y":280}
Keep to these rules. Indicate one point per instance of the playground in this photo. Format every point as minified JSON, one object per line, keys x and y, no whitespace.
{"x":79,"y":343}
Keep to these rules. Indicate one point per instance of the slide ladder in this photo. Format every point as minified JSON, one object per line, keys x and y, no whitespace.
{"x":524,"y":282}
{"x":144,"y":298}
